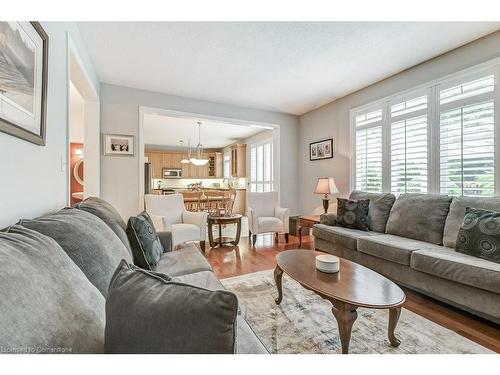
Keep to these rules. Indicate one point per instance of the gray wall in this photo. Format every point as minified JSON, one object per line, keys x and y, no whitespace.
{"x":32,"y":180}
{"x":333,"y":118}
{"x":120,"y":114}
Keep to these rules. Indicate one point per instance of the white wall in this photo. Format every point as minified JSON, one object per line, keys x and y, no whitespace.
{"x":32,"y":181}
{"x":76,"y":120}
{"x":333,"y":119}
{"x":120,"y":114}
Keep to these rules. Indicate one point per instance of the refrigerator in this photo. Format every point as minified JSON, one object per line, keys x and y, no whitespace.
{"x":148,"y":178}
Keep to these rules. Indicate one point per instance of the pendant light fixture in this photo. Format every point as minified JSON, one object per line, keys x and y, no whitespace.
{"x":184,"y":160}
{"x":199,"y":160}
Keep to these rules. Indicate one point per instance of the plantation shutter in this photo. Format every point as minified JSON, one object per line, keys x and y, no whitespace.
{"x":467,"y":143}
{"x":261,"y":167}
{"x":409,"y":146}
{"x":369,"y":151}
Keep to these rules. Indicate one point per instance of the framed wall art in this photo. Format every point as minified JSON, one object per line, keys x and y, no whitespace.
{"x":23,"y":80}
{"x":118,"y":144}
{"x":321,"y":149}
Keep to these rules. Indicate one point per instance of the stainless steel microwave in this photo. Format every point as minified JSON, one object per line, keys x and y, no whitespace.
{"x":172,"y":173}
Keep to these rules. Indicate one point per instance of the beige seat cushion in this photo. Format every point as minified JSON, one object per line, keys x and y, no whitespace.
{"x":461,"y":268}
{"x":393,"y":248}
{"x":269,"y":224}
{"x":341,"y":236}
{"x":182,"y":233}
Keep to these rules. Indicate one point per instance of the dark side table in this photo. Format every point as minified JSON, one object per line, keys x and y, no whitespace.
{"x":306,"y":222}
{"x":220,"y":221}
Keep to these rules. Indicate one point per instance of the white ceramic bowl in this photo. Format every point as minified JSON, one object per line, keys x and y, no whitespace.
{"x":327,"y":263}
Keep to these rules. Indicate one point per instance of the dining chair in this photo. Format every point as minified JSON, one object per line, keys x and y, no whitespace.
{"x":214,"y":199}
{"x":192,"y":200}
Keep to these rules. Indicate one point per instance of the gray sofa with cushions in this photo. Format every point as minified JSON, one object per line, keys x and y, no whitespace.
{"x":54,"y":275}
{"x":412,"y":241}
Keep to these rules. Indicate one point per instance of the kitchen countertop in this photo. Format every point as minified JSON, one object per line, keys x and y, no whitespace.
{"x":205,"y":188}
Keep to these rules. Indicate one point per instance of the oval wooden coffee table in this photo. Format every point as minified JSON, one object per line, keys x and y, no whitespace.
{"x":352,"y":287}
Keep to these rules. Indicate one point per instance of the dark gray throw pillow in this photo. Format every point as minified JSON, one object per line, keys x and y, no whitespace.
{"x":146,"y":313}
{"x":88,"y":241}
{"x":479,"y":234}
{"x":379,"y":210}
{"x":146,"y":244}
{"x":107,"y":213}
{"x":353,"y":214}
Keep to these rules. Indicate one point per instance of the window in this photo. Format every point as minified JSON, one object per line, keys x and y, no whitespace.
{"x":227,"y":164}
{"x":261,"y":167}
{"x":409,"y":153}
{"x":467,"y":150}
{"x":369,"y":151}
{"x":436,"y":139}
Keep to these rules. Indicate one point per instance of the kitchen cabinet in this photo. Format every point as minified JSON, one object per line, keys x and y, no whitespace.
{"x":156,"y":160}
{"x":215,"y":165}
{"x":240,"y":201}
{"x":172,"y":159}
{"x":238,"y":160}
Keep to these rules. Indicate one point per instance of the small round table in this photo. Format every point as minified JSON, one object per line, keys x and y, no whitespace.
{"x":220,"y":221}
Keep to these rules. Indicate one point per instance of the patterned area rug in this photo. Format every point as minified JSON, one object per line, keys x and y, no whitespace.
{"x":304,"y":323}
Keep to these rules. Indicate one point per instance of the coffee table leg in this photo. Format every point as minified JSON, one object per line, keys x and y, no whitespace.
{"x":393,"y":321}
{"x":278,"y":275}
{"x":299,"y":229}
{"x":220,"y":235}
{"x":346,"y":315}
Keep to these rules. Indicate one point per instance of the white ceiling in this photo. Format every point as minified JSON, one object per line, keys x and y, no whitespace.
{"x":166,"y":131}
{"x":291,"y":67}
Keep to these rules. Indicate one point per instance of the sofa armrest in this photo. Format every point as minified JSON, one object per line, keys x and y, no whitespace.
{"x":166,"y":240}
{"x":284,"y":215}
{"x":197,"y":218}
{"x":252,"y":221}
{"x":328,"y":219}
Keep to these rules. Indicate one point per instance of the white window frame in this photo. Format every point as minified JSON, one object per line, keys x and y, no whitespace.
{"x":269,"y":141}
{"x":388,"y":128}
{"x":370,"y":108}
{"x":432,"y":89}
{"x":226,"y":164}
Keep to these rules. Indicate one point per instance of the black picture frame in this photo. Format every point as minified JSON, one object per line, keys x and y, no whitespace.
{"x":16,"y":130}
{"x":321,"y":150}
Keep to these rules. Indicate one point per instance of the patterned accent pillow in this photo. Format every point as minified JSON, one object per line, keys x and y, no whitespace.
{"x":144,"y":241}
{"x":353,"y":214}
{"x":479,"y":234}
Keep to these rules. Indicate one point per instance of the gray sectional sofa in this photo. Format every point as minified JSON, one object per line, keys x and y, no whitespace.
{"x":412,"y":241}
{"x":54,"y":276}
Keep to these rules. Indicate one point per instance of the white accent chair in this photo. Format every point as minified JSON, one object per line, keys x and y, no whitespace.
{"x":266,"y":216}
{"x":168,"y":213}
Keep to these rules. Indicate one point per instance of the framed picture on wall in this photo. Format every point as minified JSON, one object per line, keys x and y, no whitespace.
{"x":118,"y":144}
{"x":23,"y":80}
{"x":321,"y":149}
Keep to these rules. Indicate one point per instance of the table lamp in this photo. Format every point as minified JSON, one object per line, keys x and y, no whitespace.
{"x":326,"y":186}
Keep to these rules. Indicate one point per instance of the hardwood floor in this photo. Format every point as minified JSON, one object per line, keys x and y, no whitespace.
{"x":245,"y":258}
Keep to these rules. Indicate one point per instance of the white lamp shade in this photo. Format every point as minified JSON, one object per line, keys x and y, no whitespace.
{"x":326,"y":185}
{"x":198,"y":162}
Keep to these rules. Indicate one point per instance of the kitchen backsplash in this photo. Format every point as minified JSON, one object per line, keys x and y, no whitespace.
{"x":239,"y":183}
